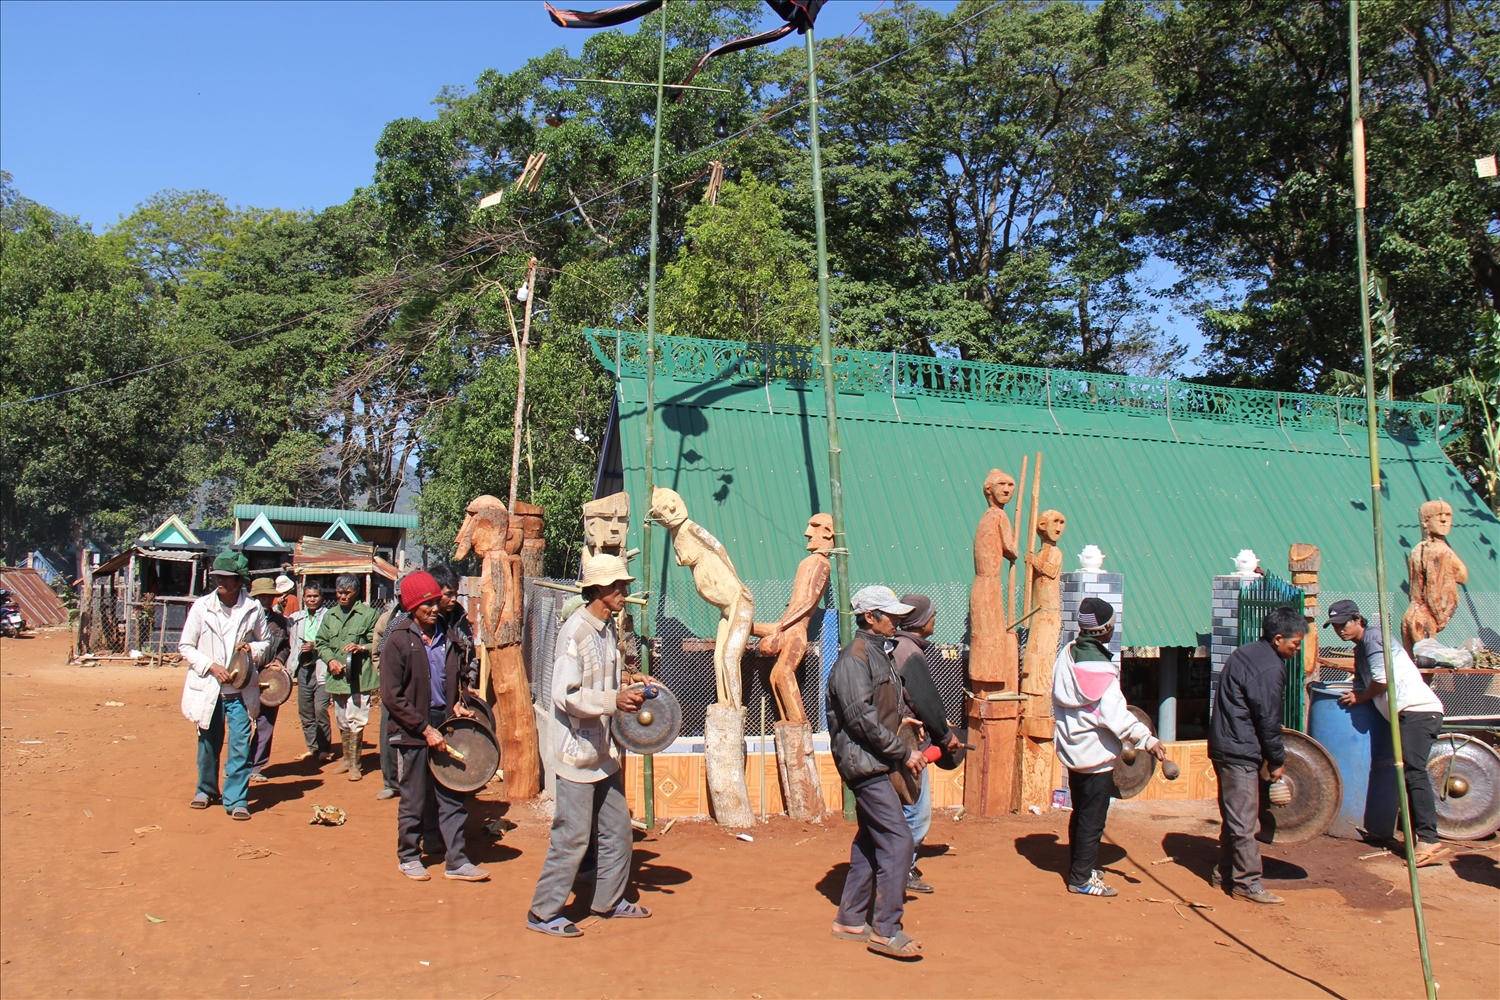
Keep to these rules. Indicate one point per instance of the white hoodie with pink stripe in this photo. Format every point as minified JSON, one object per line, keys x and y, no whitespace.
{"x":1089,"y":711}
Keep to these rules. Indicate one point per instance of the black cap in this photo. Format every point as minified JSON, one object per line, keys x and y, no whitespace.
{"x":1094,"y":613}
{"x":1340,"y":612}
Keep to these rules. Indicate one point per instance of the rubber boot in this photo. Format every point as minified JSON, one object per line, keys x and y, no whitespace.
{"x":342,"y":765}
{"x":354,"y":749}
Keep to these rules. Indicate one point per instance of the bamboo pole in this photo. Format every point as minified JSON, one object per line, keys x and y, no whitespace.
{"x":1372,"y":426}
{"x":830,"y":392}
{"x":1010,"y":617}
{"x":520,"y":346}
{"x":648,"y":766}
{"x":1036,"y":498}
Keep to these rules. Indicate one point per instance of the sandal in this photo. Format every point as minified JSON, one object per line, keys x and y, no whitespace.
{"x":625,"y":911}
{"x":900,"y":945}
{"x":863,"y":934}
{"x":556,"y":927}
{"x":1430,"y":857}
{"x":239,"y":813}
{"x":199,"y":801}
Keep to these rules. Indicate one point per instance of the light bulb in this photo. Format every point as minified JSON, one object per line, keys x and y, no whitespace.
{"x":523,"y":293}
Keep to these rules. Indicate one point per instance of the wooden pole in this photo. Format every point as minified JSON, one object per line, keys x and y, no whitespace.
{"x":1036,"y":498}
{"x":1010,"y":616}
{"x":520,"y":346}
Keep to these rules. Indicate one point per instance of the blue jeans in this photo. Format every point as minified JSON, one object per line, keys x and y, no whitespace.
{"x":211,"y":744}
{"x":919,"y":814}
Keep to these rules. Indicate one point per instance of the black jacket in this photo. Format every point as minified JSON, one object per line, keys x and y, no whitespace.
{"x":921,"y":693}
{"x":864,"y":712}
{"x":1246,"y":723}
{"x":406,"y":685}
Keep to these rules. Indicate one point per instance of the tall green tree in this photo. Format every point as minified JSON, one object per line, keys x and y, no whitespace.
{"x":97,"y":464}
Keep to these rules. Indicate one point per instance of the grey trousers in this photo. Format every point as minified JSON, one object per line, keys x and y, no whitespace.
{"x":422,"y":799}
{"x":580,"y":808}
{"x":875,"y":891}
{"x":1239,"y":822}
{"x":312,"y":709}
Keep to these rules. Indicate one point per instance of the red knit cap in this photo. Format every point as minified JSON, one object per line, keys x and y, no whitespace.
{"x":419,"y":588}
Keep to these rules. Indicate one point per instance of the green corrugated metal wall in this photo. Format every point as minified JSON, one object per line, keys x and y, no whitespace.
{"x":1169,"y":500}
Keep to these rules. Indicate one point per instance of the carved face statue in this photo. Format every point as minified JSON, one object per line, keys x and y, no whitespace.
{"x":606,"y":521}
{"x":514,"y":536}
{"x":999,"y":487}
{"x":484,"y":528}
{"x":1437,"y":518}
{"x":667,"y":507}
{"x":819,"y":533}
{"x":1050,"y":525}
{"x":1245,"y":563}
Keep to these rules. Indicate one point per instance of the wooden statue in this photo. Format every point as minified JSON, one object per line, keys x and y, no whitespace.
{"x":786,"y":640}
{"x":1434,"y":571}
{"x":993,"y":713}
{"x":1304,"y":561}
{"x":483,"y":531}
{"x":724,"y":722}
{"x":606,"y":523}
{"x":497,"y":540}
{"x":1043,"y":570}
{"x":992,"y":646}
{"x":534,"y":545}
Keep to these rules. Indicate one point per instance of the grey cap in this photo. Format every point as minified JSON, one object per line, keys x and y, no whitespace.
{"x":882,"y":599}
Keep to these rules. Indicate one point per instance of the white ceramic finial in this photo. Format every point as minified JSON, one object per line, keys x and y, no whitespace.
{"x":1091,"y":559}
{"x":1245,"y":563}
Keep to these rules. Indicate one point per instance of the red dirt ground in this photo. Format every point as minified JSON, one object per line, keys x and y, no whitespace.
{"x":326,"y":914}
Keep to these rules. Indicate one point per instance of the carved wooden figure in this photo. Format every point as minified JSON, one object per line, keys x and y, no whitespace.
{"x":718,"y":584}
{"x":483,"y":532}
{"x":992,"y":646}
{"x":1043,"y":569}
{"x":490,"y":533}
{"x":786,"y":640}
{"x":606,"y":523}
{"x":1434,"y":571}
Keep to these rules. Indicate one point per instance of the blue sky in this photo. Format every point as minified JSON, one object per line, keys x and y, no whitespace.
{"x":268,"y":104}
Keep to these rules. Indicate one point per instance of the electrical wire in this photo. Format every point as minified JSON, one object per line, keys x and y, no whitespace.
{"x":734,"y":139}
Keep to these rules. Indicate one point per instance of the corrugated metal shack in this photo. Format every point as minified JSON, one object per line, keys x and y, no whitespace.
{"x":38,"y":602}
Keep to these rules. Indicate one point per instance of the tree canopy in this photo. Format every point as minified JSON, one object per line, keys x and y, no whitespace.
{"x":1003,"y":182}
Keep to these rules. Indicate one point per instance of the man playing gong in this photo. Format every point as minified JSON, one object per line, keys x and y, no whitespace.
{"x":590,"y":792}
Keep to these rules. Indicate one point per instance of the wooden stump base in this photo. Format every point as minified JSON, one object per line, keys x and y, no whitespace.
{"x":515,"y":723}
{"x":724,"y":762}
{"x":800,"y":789}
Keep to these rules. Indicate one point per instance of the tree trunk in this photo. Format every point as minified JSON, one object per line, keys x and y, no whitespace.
{"x":800,"y":789}
{"x":724,"y":760}
{"x":516,"y":724}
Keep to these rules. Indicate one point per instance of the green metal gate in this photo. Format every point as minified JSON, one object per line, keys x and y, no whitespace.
{"x":1255,"y":601}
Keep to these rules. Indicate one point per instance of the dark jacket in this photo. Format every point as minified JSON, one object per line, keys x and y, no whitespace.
{"x":277,"y":625}
{"x":916,"y":681}
{"x":1246,"y":724}
{"x":406,"y":685}
{"x":864,"y":712}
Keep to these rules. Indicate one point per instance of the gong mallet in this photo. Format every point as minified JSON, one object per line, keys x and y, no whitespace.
{"x":1169,"y":768}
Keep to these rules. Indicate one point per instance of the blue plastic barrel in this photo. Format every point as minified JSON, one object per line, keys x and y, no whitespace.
{"x":1359,"y":740}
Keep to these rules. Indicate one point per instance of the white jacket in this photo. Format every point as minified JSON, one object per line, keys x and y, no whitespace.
{"x":209,"y":636}
{"x":1089,"y":711}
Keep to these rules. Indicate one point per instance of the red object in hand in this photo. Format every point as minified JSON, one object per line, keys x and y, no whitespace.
{"x":932,"y":754}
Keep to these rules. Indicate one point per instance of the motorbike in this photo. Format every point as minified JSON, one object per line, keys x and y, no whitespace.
{"x":11,"y":622}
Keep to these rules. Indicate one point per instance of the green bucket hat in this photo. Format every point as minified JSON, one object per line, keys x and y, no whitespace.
{"x":229,"y":563}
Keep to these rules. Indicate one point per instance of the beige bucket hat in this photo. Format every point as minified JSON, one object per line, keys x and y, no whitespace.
{"x":604,"y":569}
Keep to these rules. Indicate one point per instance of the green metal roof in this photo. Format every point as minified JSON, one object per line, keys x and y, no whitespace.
{"x":325,"y":515}
{"x":1170,"y":479}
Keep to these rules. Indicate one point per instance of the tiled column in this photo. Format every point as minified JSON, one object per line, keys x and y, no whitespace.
{"x":1225,"y":637}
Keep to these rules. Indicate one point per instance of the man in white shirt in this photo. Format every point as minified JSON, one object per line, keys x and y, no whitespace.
{"x":1420,"y":716}
{"x":214,"y":698}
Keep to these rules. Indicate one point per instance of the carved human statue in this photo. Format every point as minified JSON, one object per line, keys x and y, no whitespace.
{"x":490,"y":533}
{"x":716,"y":582}
{"x":1434,"y":573}
{"x":486,"y":524}
{"x":992,"y":656}
{"x":606,"y":523}
{"x":724,"y":722}
{"x":1044,"y":568}
{"x":786,"y":639}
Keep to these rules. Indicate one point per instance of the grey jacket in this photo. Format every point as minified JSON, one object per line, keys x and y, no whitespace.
{"x":864,"y":712}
